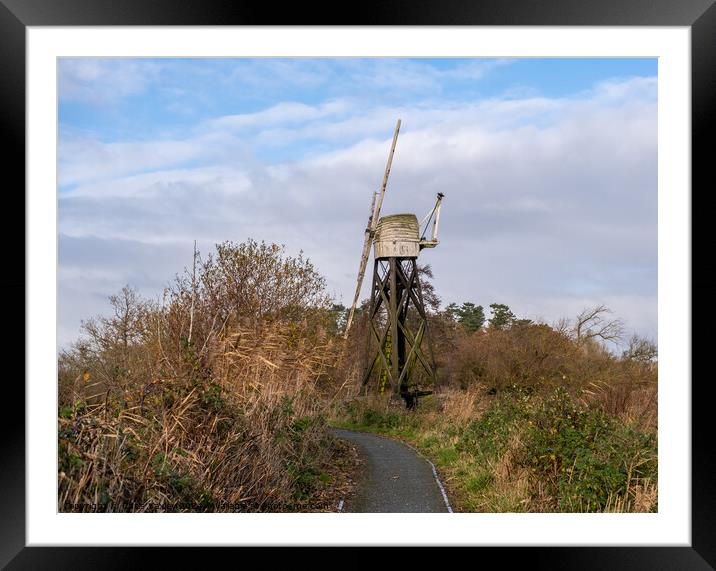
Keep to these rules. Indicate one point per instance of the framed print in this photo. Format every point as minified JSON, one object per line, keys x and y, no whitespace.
{"x":99,"y":95}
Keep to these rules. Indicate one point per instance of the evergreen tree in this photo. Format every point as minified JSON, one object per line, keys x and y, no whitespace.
{"x":469,"y":315}
{"x":502,"y":316}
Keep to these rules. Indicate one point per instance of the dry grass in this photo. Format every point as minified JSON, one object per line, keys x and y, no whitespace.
{"x":247,"y":438}
{"x":634,"y":404}
{"x":459,"y":407}
{"x":641,"y":497}
{"x":493,"y":469}
{"x":215,"y":400}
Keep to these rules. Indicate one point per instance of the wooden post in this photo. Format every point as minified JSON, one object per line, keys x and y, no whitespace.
{"x":393,"y":318}
{"x":372,"y":222}
{"x":386,"y":174}
{"x":363,"y":263}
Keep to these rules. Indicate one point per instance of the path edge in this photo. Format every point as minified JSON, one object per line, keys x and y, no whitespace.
{"x":436,"y":474}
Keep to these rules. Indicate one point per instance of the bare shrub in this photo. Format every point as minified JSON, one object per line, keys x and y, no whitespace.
{"x":528,"y":354}
{"x":228,"y":418}
{"x":593,"y":323}
{"x":632,"y":403}
{"x":640,"y":350}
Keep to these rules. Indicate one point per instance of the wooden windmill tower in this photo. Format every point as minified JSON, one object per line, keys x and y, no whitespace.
{"x":397,"y":326}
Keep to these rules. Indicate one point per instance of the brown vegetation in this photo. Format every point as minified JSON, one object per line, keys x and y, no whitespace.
{"x":216,"y":397}
{"x":533,"y":417}
{"x":210,"y":401}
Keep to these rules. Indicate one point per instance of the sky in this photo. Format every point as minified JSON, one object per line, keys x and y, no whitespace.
{"x":548,"y":166}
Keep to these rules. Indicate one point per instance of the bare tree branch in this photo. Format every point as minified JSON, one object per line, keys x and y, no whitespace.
{"x":593,"y":323}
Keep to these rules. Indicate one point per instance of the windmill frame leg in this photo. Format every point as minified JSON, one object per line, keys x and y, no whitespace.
{"x":397,"y":330}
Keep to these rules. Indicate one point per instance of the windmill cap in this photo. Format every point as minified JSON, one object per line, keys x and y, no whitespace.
{"x":397,"y":235}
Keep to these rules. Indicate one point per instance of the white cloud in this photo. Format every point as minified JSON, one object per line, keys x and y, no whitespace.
{"x":236,"y":138}
{"x":285,"y":113}
{"x":83,"y":160}
{"x":550,"y":203}
{"x":103,"y":80}
{"x":615,"y":89}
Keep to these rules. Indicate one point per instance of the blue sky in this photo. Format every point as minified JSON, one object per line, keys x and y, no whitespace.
{"x":548,"y":166}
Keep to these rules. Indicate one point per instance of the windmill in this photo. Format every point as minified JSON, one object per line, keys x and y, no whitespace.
{"x":397,"y":321}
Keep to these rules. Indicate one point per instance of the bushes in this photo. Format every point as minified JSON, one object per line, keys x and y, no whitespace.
{"x":586,"y":457}
{"x":491,"y":432}
{"x":525,"y":450}
{"x":579,"y":458}
{"x":215,"y":400}
{"x":525,"y":354}
{"x":534,"y":417}
{"x":248,"y":437}
{"x":541,"y":358}
{"x":191,"y":406}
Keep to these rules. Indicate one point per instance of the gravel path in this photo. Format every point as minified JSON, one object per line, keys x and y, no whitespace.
{"x":394,"y":478}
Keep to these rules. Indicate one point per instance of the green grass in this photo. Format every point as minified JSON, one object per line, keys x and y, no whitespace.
{"x":525,"y":452}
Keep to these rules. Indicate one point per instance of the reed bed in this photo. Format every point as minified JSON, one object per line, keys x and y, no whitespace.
{"x":248,"y":437}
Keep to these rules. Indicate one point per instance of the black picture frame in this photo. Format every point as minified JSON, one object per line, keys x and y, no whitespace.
{"x":17,"y":15}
